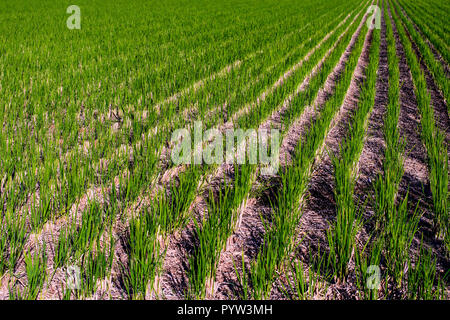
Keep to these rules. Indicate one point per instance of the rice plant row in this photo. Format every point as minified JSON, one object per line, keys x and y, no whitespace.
{"x":432,"y":137}
{"x":436,"y":68}
{"x":342,"y":234}
{"x":429,"y":30}
{"x":278,"y":238}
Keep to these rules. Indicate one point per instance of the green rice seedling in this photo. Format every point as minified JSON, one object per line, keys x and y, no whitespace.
{"x":341,"y":240}
{"x":306,"y":285}
{"x":36,"y":269}
{"x":92,"y":226}
{"x":15,"y":293}
{"x":341,"y":236}
{"x":65,"y":243}
{"x":306,"y":288}
{"x":300,"y":281}
{"x":422,"y":281}
{"x":171,"y":208}
{"x":439,"y":185}
{"x":96,"y":266}
{"x":447,"y":242}
{"x":366,"y":259}
{"x":216,"y":229}
{"x":17,"y":236}
{"x":144,"y":255}
{"x":66,"y":293}
{"x":3,"y":246}
{"x":242,"y":277}
{"x":299,"y":285}
{"x":181,"y":197}
{"x":40,"y":213}
{"x":399,"y":230}
{"x":243,"y":181}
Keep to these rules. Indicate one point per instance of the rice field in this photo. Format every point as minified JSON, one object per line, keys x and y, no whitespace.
{"x":223,"y":150}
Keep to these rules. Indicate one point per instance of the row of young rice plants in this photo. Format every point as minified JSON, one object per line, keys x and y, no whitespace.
{"x":342,"y":234}
{"x":395,"y":227}
{"x":387,"y":183}
{"x":89,"y":245}
{"x":204,"y":261}
{"x":12,"y":232}
{"x":432,"y":138}
{"x":428,"y":30}
{"x":213,"y":232}
{"x":435,"y":67}
{"x":435,"y":16}
{"x":86,"y":246}
{"x":277,"y":243}
{"x":81,"y":174}
{"x":35,"y":267}
{"x":144,"y":253}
